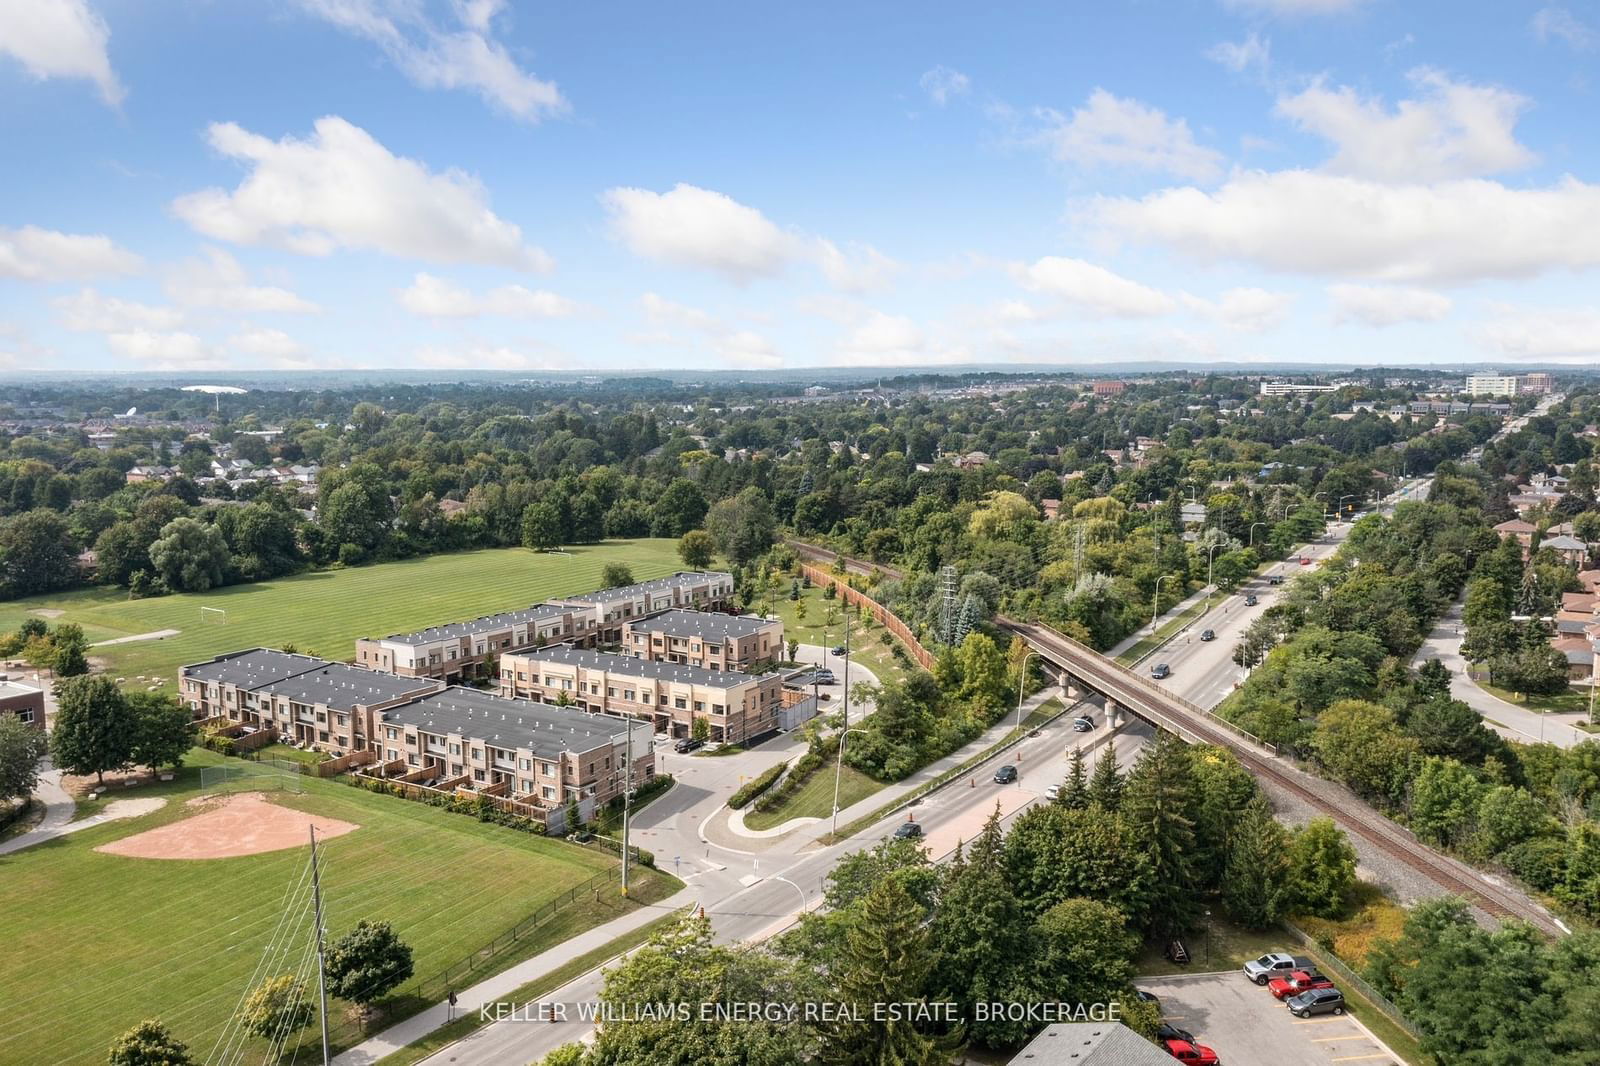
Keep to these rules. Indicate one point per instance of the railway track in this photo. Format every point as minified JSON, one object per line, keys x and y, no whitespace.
{"x":1198,"y":725}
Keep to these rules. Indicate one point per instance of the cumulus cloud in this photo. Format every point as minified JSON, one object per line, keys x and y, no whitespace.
{"x":707,"y":230}
{"x":272,"y":347}
{"x":1245,"y":310}
{"x":433,"y":56}
{"x":1557,"y":23}
{"x":1544,"y":333}
{"x":1089,"y":288}
{"x":165,"y":350}
{"x":59,"y":39}
{"x":1386,"y":305}
{"x":343,"y":189}
{"x":34,"y":254}
{"x":90,"y":311}
{"x":219,"y":281}
{"x":738,"y":347}
{"x":1450,"y":130}
{"x":437,"y":297}
{"x":941,"y":84}
{"x":1326,"y":224}
{"x":1120,"y":133}
{"x":1252,"y":53}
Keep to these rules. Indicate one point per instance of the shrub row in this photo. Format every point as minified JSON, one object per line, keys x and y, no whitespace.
{"x":478,"y":807}
{"x":804,"y":767}
{"x":757,"y":785}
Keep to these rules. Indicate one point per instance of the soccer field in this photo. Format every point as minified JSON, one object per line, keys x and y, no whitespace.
{"x":95,"y":943}
{"x":322,"y":613}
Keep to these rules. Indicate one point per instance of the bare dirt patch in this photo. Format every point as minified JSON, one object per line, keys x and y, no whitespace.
{"x":227,"y":827}
{"x":47,"y":612}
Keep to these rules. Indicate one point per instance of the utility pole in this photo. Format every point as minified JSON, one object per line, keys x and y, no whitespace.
{"x":627,"y":801}
{"x":322,"y":983}
{"x":844,"y":727}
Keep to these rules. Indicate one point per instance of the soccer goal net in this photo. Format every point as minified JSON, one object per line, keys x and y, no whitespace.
{"x":214,"y":615}
{"x":248,"y":778}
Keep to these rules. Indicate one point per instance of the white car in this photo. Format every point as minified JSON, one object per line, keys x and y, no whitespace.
{"x":1053,"y":791}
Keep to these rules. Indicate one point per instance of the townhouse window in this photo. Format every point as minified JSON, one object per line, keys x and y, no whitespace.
{"x":392,"y":734}
{"x":680,"y":703}
{"x":527,"y":764}
{"x":717,"y":708}
{"x":323,"y":736}
{"x":344,"y":742}
{"x":628,"y":694}
{"x":477,"y":775}
{"x":393,"y":755}
{"x":525,"y":785}
{"x":546,"y":769}
{"x":611,"y":692}
{"x":547,"y":792}
{"x":455,"y":749}
{"x":455,"y":769}
{"x":477,"y":754}
{"x":25,"y":715}
{"x":699,"y":705}
{"x":411,"y":760}
{"x":520,"y":675}
{"x":339,"y":719}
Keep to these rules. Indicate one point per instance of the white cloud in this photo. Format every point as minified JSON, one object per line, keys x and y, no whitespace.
{"x":59,"y":39}
{"x":696,"y":227}
{"x":173,"y":350}
{"x":1544,"y":333}
{"x":709,"y":230}
{"x":1450,"y":130}
{"x":488,"y":357}
{"x":1294,"y":8}
{"x":941,"y":83}
{"x":89,"y":311}
{"x":220,"y":281}
{"x":883,"y":339}
{"x":437,"y":57}
{"x":739,"y":347}
{"x":1557,"y":23}
{"x":440,"y":298}
{"x":1245,"y":310}
{"x":274,"y":349}
{"x":1116,"y":132}
{"x":342,"y":189}
{"x":34,"y":254}
{"x":1323,"y":224}
{"x":1385,"y":305}
{"x":1252,"y":53}
{"x":1092,"y":288}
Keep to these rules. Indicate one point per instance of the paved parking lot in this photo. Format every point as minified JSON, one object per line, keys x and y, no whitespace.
{"x":1245,"y":1026}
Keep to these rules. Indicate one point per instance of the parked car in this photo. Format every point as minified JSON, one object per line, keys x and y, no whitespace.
{"x":825,"y":677}
{"x":1208,"y":634}
{"x":908,"y":831}
{"x":1082,"y":724}
{"x":1148,"y":997}
{"x":1297,"y":982}
{"x":1164,"y":1031}
{"x":1275,"y":964}
{"x":1160,"y":670}
{"x":839,"y":649}
{"x":1275,"y":579}
{"x":1053,"y":791}
{"x":1316,"y":1001}
{"x":687,"y":744}
{"x":1184,"y":1051}
{"x":1005,"y":775}
{"x":1250,"y":600}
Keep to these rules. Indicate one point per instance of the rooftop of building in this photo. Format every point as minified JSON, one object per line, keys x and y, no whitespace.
{"x":545,"y":730}
{"x":344,"y":687}
{"x":1089,"y":1044}
{"x":706,"y":625}
{"x":489,"y":623}
{"x":641,"y":588}
{"x":252,"y":669}
{"x":628,"y":666}
{"x":13,"y":689}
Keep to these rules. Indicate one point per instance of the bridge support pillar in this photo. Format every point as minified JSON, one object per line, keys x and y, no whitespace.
{"x":1114,"y":712}
{"x":1075,"y":691}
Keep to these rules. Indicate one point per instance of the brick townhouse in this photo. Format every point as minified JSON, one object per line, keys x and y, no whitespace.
{"x":670,"y":696}
{"x":526,"y":751}
{"x":612,"y":608}
{"x":705,"y":639}
{"x":24,"y":701}
{"x":313,"y":702}
{"x":462,"y":650}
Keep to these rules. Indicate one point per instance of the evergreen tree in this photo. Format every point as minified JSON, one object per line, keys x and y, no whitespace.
{"x":1105,"y":786}
{"x":1160,"y":802}
{"x":1252,"y":886}
{"x":1074,"y":794}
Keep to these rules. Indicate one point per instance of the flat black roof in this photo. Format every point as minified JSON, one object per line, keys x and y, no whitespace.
{"x":703,"y":624}
{"x":509,"y":723}
{"x":627,"y":665}
{"x":489,"y":623}
{"x":254,"y":668}
{"x":345,"y":687}
{"x":621,"y":592}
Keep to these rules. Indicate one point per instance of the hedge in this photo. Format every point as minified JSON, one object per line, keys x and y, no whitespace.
{"x":757,"y":785}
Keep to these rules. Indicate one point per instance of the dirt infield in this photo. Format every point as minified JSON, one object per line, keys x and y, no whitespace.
{"x":226,"y":827}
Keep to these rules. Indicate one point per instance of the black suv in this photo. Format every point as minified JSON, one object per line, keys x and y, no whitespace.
{"x":687,"y":744}
{"x":908,"y":831}
{"x":1005,"y":775}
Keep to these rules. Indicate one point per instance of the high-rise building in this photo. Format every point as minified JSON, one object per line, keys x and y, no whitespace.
{"x":1537,"y":383}
{"x":1493,"y":383}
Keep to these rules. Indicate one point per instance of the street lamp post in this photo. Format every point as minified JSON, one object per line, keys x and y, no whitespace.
{"x":838,"y":772}
{"x":1022,"y":679}
{"x":1345,"y":497}
{"x":1314,"y":496}
{"x":797,"y":888}
{"x":1155,"y":602}
{"x":1253,"y":526}
{"x":1211,"y":563}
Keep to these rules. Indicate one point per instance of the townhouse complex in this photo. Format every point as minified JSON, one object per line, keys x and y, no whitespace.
{"x":419,"y":728}
{"x":463,"y":651}
{"x":671,"y":696}
{"x":697,"y":638}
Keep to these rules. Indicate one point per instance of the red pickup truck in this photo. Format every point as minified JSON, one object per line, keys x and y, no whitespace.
{"x":1297,"y":982}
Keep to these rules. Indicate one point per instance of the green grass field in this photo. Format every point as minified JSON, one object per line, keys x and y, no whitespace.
{"x":323,"y":613}
{"x":814,"y":798}
{"x":97,"y":942}
{"x":866,"y":643}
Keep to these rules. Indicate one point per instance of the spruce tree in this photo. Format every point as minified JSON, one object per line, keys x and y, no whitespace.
{"x":1105,"y":786}
{"x":1257,"y":866}
{"x":1075,"y":793}
{"x":1159,"y":802}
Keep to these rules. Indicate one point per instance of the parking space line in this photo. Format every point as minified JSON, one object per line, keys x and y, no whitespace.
{"x":1317,"y":1021}
{"x":1358,"y":1058}
{"x":1329,"y":1039}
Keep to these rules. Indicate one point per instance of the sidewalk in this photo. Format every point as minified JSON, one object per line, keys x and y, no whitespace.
{"x":506,"y":982}
{"x":59,"y":809}
{"x":1144,"y":632}
{"x":1518,"y":723}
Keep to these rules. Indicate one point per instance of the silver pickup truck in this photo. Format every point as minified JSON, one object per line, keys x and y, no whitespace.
{"x":1274,"y":964}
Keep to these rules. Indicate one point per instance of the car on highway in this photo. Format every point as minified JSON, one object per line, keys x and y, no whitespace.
{"x":1082,"y":724}
{"x":908,"y":831}
{"x":1275,"y":579}
{"x":1005,"y":775}
{"x":1275,"y":964}
{"x":1297,"y":982}
{"x":1316,"y":1001}
{"x":1208,"y":634}
{"x":1184,"y":1051}
{"x":687,"y":744}
{"x":1250,"y":600}
{"x":838,"y":649}
{"x":1305,"y":560}
{"x":1160,"y":670}
{"x":825,"y":677}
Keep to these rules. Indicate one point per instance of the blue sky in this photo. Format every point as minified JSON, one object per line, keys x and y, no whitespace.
{"x":477,"y":184}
